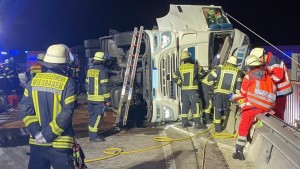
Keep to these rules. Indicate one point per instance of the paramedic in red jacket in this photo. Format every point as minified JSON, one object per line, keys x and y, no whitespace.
{"x":279,"y":73}
{"x":258,"y":92}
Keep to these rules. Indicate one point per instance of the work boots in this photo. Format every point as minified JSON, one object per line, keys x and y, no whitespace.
{"x":218,"y":128}
{"x":208,"y":120}
{"x":185,"y":123}
{"x":198,"y":124}
{"x":94,"y":137}
{"x":238,"y":153}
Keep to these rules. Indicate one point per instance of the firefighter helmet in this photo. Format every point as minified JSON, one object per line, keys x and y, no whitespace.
{"x":258,"y":52}
{"x":232,"y":60}
{"x":252,"y":61}
{"x":56,"y":54}
{"x":41,"y":56}
{"x":99,"y":56}
{"x":185,"y":55}
{"x":6,"y":61}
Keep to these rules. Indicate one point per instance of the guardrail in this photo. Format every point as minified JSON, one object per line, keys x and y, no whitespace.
{"x":292,"y":109}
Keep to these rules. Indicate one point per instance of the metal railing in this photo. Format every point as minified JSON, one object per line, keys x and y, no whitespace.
{"x":292,"y":110}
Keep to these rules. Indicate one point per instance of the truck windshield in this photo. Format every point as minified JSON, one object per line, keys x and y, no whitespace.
{"x":214,"y":16}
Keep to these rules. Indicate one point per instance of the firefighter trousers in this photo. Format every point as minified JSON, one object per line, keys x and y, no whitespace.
{"x":190,"y":98}
{"x":43,"y":157}
{"x":95,"y":118}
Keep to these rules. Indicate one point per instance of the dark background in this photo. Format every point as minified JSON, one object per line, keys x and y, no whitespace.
{"x":36,"y":24}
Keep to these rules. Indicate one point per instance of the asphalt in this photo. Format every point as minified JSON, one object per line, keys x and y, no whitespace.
{"x":131,"y":148}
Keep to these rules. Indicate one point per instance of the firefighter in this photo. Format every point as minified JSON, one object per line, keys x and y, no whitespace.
{"x":206,"y":96}
{"x":280,"y":75}
{"x":97,"y":95}
{"x":227,"y":79}
{"x":186,"y":76}
{"x":255,"y":82}
{"x":47,"y":111}
{"x":12,"y":71}
{"x":37,"y":67}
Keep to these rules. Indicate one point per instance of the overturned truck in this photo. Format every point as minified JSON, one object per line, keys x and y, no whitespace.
{"x":204,"y":31}
{"x":207,"y":33}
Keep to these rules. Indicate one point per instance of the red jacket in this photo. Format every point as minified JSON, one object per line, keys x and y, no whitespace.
{"x":257,"y":90}
{"x":279,"y":73}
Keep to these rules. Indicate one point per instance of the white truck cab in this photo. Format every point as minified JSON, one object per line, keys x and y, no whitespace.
{"x":204,"y":31}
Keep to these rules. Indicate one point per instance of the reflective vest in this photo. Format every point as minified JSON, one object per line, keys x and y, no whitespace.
{"x":262,"y":92}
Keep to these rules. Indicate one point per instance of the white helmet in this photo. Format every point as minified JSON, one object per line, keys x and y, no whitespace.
{"x":99,"y":56}
{"x":232,"y":60}
{"x":252,"y":61}
{"x":41,"y":56}
{"x":57,"y":54}
{"x":258,"y":52}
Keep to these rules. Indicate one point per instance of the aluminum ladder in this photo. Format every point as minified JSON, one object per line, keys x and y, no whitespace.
{"x":126,"y":93}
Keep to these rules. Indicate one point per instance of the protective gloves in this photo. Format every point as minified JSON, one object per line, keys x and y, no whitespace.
{"x":39,"y":138}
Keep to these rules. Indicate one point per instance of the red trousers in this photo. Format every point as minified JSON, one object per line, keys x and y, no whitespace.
{"x":280,"y":107}
{"x":248,"y":115}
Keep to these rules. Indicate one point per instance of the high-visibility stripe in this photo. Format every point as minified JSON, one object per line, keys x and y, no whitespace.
{"x":59,"y":142}
{"x":104,"y":81}
{"x":184,"y":115}
{"x":189,"y":87}
{"x":70,"y":99}
{"x":95,"y":97}
{"x":26,"y":92}
{"x":43,"y":89}
{"x":30,"y":119}
{"x":107,"y":95}
{"x":36,"y":105}
{"x":55,"y":128}
{"x":95,"y":127}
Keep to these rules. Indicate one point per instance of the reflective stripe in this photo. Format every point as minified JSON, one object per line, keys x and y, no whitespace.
{"x":30,"y":119}
{"x":241,"y":140}
{"x":43,"y":89}
{"x":95,"y":127}
{"x":25,"y":92}
{"x":55,"y":128}
{"x":184,"y":115}
{"x":107,"y":95}
{"x":189,"y":87}
{"x":36,"y":105}
{"x":70,"y":99}
{"x":104,"y":81}
{"x":196,"y":115}
{"x":217,"y":121}
{"x":59,"y":142}
{"x":95,"y":97}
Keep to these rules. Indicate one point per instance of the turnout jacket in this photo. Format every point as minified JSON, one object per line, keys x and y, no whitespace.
{"x":48,"y":106}
{"x":96,"y":84}
{"x":227,"y":79}
{"x":187,"y":76}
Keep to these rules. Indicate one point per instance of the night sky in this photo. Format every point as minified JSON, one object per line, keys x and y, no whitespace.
{"x":36,"y":24}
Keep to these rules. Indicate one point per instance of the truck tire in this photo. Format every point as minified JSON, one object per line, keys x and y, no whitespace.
{"x":89,"y":53}
{"x":123,"y":38}
{"x":92,"y":43}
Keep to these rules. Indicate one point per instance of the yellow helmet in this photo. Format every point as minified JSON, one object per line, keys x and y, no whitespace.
{"x":232,"y":60}
{"x":56,"y":54}
{"x":252,"y":61}
{"x":258,"y":52}
{"x":99,"y":56}
{"x":41,"y":56}
{"x":185,"y":55}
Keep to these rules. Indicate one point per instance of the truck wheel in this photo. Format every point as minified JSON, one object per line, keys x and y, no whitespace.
{"x":92,"y":43}
{"x":89,"y":53}
{"x":123,"y":38}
